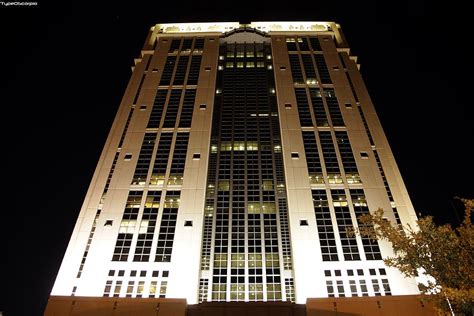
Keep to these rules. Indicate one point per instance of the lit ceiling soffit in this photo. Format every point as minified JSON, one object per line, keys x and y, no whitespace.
{"x":224,"y":27}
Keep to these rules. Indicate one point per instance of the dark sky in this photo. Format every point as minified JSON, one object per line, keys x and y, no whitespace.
{"x":64,"y":69}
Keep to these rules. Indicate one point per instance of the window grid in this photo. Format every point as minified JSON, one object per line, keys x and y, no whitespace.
{"x":203,"y":289}
{"x":344,"y":221}
{"x":330,"y":157}
{"x":347,"y":157}
{"x":187,"y":108}
{"x":179,"y":159}
{"x":167,"y":227}
{"x":127,"y":226}
{"x":333,"y":107}
{"x":157,"y":109}
{"x":147,"y":226}
{"x":174,"y":46}
{"x":322,"y":69}
{"x":172,"y":108}
{"x":168,"y":71}
{"x":161,"y":159}
{"x":371,"y":246}
{"x":245,"y":188}
{"x":309,"y":70}
{"x":318,"y":107}
{"x":296,"y":69}
{"x":327,"y":239}
{"x":180,"y":73}
{"x":313,"y":161}
{"x":303,"y":107}
{"x":194,"y":69}
{"x":290,"y":290}
{"x":315,"y":44}
{"x":144,"y":159}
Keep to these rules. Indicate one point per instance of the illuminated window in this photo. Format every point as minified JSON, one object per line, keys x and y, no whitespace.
{"x":250,"y":64}
{"x":240,"y":64}
{"x":127,"y":226}
{"x":260,"y":64}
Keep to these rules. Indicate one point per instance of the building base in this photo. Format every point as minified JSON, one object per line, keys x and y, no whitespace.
{"x":345,"y":306}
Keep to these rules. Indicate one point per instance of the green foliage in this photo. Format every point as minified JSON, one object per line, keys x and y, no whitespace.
{"x":444,"y":254}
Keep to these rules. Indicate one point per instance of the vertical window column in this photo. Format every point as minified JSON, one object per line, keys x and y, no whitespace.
{"x":172,"y":108}
{"x":161,"y":159}
{"x":312,"y":158}
{"x":318,"y":107}
{"x":330,"y":158}
{"x":144,"y":159}
{"x":371,"y":246}
{"x":344,"y":221}
{"x":179,"y":159}
{"x":147,"y":226}
{"x":348,"y":161}
{"x":333,"y":107}
{"x":167,"y":227}
{"x":327,"y":238}
{"x":157,"y":109}
{"x":127,"y":226}
{"x":303,"y":107}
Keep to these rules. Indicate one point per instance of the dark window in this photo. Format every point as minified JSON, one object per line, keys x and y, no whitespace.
{"x":127,"y":157}
{"x":168,"y":71}
{"x":144,"y":158}
{"x":318,"y":107}
{"x":303,"y":222}
{"x":174,"y":47}
{"x":172,"y":108}
{"x":188,"y":223}
{"x":296,"y":69}
{"x":309,"y":69}
{"x":186,"y":115}
{"x":181,"y":70}
{"x":327,"y":239}
{"x":322,"y":69}
{"x":193,"y":75}
{"x":157,"y":109}
{"x":315,"y":45}
{"x":303,"y":107}
{"x":333,"y":107}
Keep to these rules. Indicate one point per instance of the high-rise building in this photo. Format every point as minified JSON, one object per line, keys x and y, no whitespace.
{"x":239,"y":156}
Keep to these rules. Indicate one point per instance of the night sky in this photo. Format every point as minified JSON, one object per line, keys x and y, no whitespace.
{"x":65,"y":68}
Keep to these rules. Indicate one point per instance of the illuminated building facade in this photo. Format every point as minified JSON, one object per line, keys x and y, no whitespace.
{"x":239,"y":156}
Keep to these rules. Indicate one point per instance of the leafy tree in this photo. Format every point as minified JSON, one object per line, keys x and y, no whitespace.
{"x":445,"y":255}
